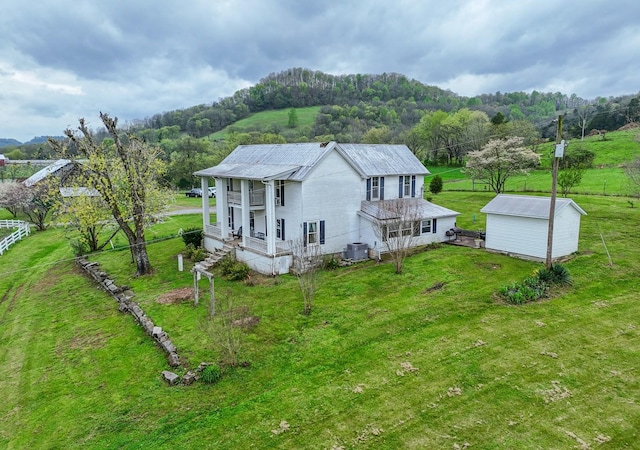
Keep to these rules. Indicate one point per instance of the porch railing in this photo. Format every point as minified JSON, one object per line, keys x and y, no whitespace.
{"x":213,"y":230}
{"x":256,"y":197}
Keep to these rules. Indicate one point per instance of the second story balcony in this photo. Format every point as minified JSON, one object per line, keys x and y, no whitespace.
{"x":256,"y":197}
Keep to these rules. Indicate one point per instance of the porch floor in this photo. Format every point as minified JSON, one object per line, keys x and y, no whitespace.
{"x":465,"y":241}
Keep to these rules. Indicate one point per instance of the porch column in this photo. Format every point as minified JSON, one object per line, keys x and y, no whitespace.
{"x":222,"y":206}
{"x":245,"y":202}
{"x":206,"y":218}
{"x":270,"y":210}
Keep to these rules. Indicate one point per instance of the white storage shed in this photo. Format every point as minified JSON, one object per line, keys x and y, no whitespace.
{"x":519,"y":226}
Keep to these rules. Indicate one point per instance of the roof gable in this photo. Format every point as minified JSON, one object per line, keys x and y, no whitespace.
{"x":527,"y":206}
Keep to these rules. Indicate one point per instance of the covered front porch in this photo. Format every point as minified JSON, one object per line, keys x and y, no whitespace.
{"x":245,"y":219}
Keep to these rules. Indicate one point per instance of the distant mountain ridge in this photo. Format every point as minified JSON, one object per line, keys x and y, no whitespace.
{"x":8,"y":142}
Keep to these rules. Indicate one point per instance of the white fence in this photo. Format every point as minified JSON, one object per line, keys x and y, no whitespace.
{"x":22,"y":231}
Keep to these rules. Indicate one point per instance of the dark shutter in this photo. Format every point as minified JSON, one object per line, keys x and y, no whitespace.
{"x":282,"y":228}
{"x":322,"y":231}
{"x":381,"y":188}
{"x":400,"y":186}
{"x":281,"y":192}
{"x":304,"y":233}
{"x":368,"y":189}
{"x":433,"y":225}
{"x":413,"y":185}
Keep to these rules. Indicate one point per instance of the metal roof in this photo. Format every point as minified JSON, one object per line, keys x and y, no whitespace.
{"x":40,"y":175}
{"x":527,"y":206}
{"x":416,"y":207}
{"x":270,"y":161}
{"x":382,"y":159}
{"x":295,"y":161}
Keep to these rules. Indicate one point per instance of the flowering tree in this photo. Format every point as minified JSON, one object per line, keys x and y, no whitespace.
{"x":14,"y":197}
{"x":125,"y":171}
{"x":498,"y":160}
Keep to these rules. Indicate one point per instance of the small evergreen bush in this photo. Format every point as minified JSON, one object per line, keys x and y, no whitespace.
{"x":192,"y":236}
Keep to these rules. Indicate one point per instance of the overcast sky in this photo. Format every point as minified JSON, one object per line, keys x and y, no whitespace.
{"x":63,"y":59}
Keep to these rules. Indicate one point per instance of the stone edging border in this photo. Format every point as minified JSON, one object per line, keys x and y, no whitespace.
{"x":123,"y":296}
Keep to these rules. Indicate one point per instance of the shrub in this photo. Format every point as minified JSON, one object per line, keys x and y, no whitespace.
{"x":211,"y":374}
{"x":233,"y":270}
{"x":557,"y":274}
{"x":531,"y":289}
{"x":79,"y":247}
{"x":330,"y":262}
{"x":192,"y":236}
{"x":198,"y":254}
{"x":561,"y":275}
{"x":435,"y":186}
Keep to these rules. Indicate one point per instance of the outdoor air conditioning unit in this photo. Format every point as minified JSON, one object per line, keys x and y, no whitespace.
{"x":277,"y":201}
{"x":357,"y":251}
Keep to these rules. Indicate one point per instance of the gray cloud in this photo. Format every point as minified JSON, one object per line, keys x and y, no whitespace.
{"x":61,"y":60}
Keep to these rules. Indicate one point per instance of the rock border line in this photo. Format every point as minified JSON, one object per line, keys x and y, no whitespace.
{"x":123,"y":295}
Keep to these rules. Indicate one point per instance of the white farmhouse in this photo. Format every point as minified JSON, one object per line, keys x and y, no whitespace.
{"x":519,"y":225}
{"x":326,"y":194}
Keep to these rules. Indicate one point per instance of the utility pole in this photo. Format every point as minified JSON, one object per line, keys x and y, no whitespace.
{"x":559,"y":153}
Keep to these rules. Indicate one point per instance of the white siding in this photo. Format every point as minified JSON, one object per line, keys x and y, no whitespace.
{"x":528,"y":236}
{"x":566,"y":230}
{"x":329,"y":193}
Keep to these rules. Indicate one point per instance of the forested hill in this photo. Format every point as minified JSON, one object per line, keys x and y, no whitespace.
{"x":391,"y":100}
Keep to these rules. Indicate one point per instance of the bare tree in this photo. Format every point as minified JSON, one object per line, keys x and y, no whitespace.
{"x":125,"y":171}
{"x":396,"y":226}
{"x":225,"y":329}
{"x":500,"y":159}
{"x":14,"y":197}
{"x":306,"y":263}
{"x":632,"y":170}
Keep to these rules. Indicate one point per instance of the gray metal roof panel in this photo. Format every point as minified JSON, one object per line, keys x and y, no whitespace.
{"x":50,"y":169}
{"x":417,"y":207}
{"x":382,"y":159}
{"x":264,"y":161}
{"x":527,"y":206}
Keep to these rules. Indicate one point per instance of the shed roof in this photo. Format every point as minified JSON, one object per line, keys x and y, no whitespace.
{"x":527,"y":206}
{"x":296,"y":160}
{"x":54,"y":168}
{"x":416,"y":207}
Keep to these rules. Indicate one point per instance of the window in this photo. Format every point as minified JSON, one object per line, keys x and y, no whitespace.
{"x":252,"y":221}
{"x":406,"y":192}
{"x":428,"y":226}
{"x":406,"y":186}
{"x":313,"y":232}
{"x":280,"y":228}
{"x":375,"y":188}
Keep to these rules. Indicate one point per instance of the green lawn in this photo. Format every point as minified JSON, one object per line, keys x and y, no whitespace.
{"x":426,"y":359}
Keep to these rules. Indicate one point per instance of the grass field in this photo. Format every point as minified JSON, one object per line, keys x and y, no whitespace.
{"x":607,"y":176}
{"x":426,"y":359}
{"x":264,"y":120}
